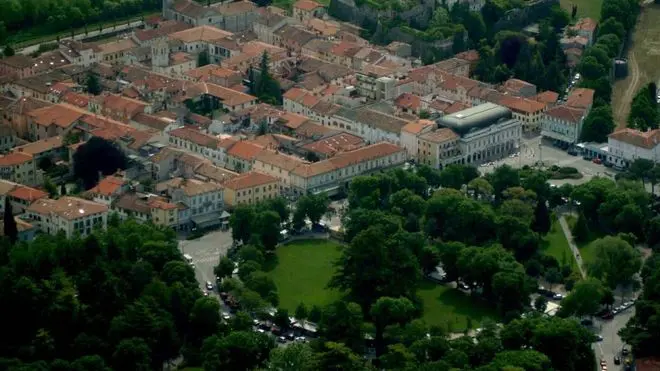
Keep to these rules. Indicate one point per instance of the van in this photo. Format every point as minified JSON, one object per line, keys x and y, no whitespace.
{"x":188,"y":258}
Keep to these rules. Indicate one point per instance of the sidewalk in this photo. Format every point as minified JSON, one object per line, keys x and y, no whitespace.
{"x":572,"y":245}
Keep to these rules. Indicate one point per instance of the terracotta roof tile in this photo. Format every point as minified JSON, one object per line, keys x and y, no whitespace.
{"x":60,"y":115}
{"x":249,"y":180}
{"x":566,"y":113}
{"x":27,"y":193}
{"x":648,"y":139}
{"x":307,"y":5}
{"x":67,"y":207}
{"x":581,"y":98}
{"x":40,"y":146}
{"x":15,"y":158}
{"x":245,"y":150}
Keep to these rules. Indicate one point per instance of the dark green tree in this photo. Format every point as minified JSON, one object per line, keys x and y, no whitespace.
{"x":203,"y":58}
{"x":93,"y":84}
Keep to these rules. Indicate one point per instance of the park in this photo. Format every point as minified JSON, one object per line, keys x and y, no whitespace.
{"x":305,"y":267}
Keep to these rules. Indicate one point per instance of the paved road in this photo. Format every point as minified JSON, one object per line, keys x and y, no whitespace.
{"x":206,"y":252}
{"x":572,"y":245}
{"x":612,"y":343}
{"x":92,"y":33}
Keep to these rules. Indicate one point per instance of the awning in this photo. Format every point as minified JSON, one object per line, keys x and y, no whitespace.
{"x":206,"y":221}
{"x":225,"y":215}
{"x":327,"y":189}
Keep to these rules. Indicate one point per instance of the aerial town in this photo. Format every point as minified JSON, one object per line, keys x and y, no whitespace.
{"x":201,"y":118}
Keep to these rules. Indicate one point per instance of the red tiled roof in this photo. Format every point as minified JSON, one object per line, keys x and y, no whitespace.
{"x":108,"y":186}
{"x":245,"y":150}
{"x":27,"y":193}
{"x":307,"y":5}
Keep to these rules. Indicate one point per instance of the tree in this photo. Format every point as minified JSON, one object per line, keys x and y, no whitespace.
{"x":63,"y":189}
{"x":581,"y":229}
{"x":280,"y":206}
{"x":267,"y":224}
{"x":267,"y":88}
{"x":281,"y":319}
{"x":540,"y":303}
{"x":203,"y":58}
{"x":294,"y":357}
{"x":642,"y":331}
{"x":502,"y":178}
{"x":9,"y":51}
{"x":337,"y":356}
{"x":96,"y":156}
{"x":584,"y":299}
{"x":541,"y":217}
{"x":301,"y":312}
{"x":224,"y":268}
{"x":9,"y":223}
{"x":313,"y":206}
{"x":132,"y":354}
{"x":50,"y":187}
{"x":343,"y":322}
{"x":241,"y":222}
{"x":240,"y":350}
{"x":598,"y":124}
{"x":374,"y":266}
{"x":387,"y":311}
{"x":616,"y":262}
{"x":93,"y":84}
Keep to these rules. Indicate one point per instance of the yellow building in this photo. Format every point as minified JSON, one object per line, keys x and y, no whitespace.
{"x":21,"y":168}
{"x":164,"y":213}
{"x":436,"y":146}
{"x":250,"y":188}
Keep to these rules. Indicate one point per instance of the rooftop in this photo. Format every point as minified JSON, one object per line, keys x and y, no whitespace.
{"x":439,"y":136}
{"x":648,"y":139}
{"x":566,"y":113}
{"x":108,"y":186}
{"x":200,"y":33}
{"x":245,"y":150}
{"x":68,"y":207}
{"x":195,"y":136}
{"x":580,"y":98}
{"x":307,"y":5}
{"x":15,"y":158}
{"x":27,"y":193}
{"x":190,"y":187}
{"x":476,"y":117}
{"x":249,"y":180}
{"x":18,"y":61}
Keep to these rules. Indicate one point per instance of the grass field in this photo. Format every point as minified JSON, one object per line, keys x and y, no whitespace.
{"x":643,"y":57}
{"x":450,"y":308}
{"x":555,"y":244}
{"x":586,"y":8}
{"x":304,"y":269}
{"x":587,"y":250}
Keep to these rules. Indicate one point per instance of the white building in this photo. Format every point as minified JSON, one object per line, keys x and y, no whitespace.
{"x":208,"y":146}
{"x":70,"y":215}
{"x":563,"y":123}
{"x":627,"y":145}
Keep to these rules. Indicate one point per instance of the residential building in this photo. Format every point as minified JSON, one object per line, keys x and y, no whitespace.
{"x":373,"y":126}
{"x":250,"y":188}
{"x":147,"y":207}
{"x":586,"y":27}
{"x":278,"y":165}
{"x":202,"y":202}
{"x":627,"y":145}
{"x":20,"y":196}
{"x":306,"y":9}
{"x":438,"y":148}
{"x":208,"y":146}
{"x":7,"y":138}
{"x":581,"y":98}
{"x":18,"y":65}
{"x":20,"y":168}
{"x":334,"y":174}
{"x":410,"y":134}
{"x":518,"y":88}
{"x":52,"y":148}
{"x":529,"y":112}
{"x":242,"y":155}
{"x":71,"y":215}
{"x":563,"y":123}
{"x":108,"y":189}
{"x":231,"y":16}
{"x":51,"y":121}
{"x":26,"y":231}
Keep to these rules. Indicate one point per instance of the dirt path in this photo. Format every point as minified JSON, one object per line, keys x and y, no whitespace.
{"x":623,"y":107}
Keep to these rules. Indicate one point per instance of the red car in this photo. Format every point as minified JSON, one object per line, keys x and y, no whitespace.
{"x":597,"y":161}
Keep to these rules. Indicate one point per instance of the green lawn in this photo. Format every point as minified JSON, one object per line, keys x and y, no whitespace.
{"x":587,"y":250}
{"x":586,"y":8}
{"x":450,"y":308}
{"x":555,"y":244}
{"x":303,"y":270}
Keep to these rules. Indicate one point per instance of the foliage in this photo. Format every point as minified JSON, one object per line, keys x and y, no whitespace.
{"x":584,"y":299}
{"x":101,"y":298}
{"x":96,"y":156}
{"x":203,"y":58}
{"x":93,"y":84}
{"x":267,"y":89}
{"x":616,"y":262}
{"x":598,"y":124}
{"x":644,"y":114}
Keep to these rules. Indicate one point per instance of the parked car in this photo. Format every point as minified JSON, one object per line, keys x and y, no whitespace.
{"x":617,"y":360}
{"x":608,"y":315}
{"x":281,"y":339}
{"x":557,"y":297}
{"x":597,"y":161}
{"x":625,"y":351}
{"x":209,"y":285}
{"x":599,"y":337}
